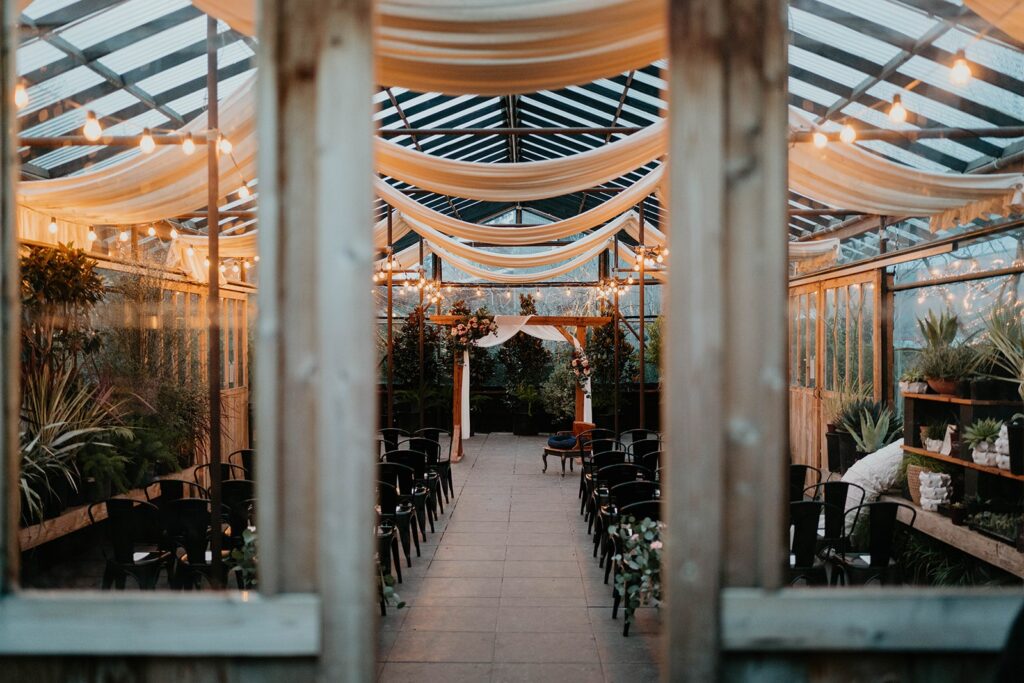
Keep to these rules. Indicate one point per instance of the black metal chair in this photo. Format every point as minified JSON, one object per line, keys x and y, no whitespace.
{"x":643,"y":447}
{"x":246,"y":459}
{"x":418,"y":462}
{"x":836,"y":495}
{"x":391,"y":436}
{"x":651,"y":461}
{"x":619,"y":496}
{"x":187,"y":526}
{"x":798,"y":475}
{"x":136,"y":543}
{"x":584,"y":441}
{"x":238,"y":498}
{"x":443,"y":462}
{"x":647,"y":509}
{"x":878,"y":562}
{"x":432,"y":449}
{"x":804,"y":563}
{"x":631,"y":436}
{"x":404,"y":507}
{"x":227,"y":472}
{"x":606,"y":477}
{"x":597,"y":460}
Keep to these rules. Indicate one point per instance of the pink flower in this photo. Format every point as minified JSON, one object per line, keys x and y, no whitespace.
{"x":656,"y":545}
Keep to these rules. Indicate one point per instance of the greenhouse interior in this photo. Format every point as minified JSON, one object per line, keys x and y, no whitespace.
{"x":487,"y":409}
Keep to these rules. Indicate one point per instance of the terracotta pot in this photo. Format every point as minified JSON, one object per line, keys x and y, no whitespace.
{"x":914,"y":482}
{"x":943,"y":386}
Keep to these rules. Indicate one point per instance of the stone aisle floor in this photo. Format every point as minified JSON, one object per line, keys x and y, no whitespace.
{"x":507,"y":589}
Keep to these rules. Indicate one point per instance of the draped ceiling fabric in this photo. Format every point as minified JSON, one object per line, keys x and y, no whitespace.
{"x":508,"y":327}
{"x":155,"y":186}
{"x":1007,"y":15}
{"x":496,"y":47}
{"x":35,"y":227}
{"x":194,"y":265}
{"x":848,"y":177}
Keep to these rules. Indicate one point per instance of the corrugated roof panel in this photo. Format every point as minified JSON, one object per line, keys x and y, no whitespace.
{"x":194,"y":69}
{"x":812,"y":93}
{"x":118,"y":19}
{"x":36,"y":54}
{"x":41,"y":8}
{"x":55,"y":90}
{"x":840,"y":73}
{"x":831,"y":33}
{"x":69,"y":122}
{"x":891,"y":15}
{"x":976,"y":90}
{"x":156,"y":46}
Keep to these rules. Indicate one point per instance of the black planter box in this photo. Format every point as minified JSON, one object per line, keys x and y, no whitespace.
{"x":833,"y":450}
{"x":847,"y":451}
{"x":1016,"y":438}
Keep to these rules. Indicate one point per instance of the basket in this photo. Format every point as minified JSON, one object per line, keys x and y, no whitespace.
{"x":914,"y":482}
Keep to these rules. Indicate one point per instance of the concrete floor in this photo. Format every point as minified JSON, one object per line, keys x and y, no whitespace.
{"x":507,"y":589}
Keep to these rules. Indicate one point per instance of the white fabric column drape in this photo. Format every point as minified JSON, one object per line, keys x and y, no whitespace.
{"x":508,"y":327}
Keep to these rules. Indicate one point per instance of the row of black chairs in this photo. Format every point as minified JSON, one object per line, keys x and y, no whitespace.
{"x":619,"y":479}
{"x":414,"y":483}
{"x":171,"y":532}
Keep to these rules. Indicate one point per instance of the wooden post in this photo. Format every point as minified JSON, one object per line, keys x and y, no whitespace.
{"x":213,"y":299}
{"x":423,"y":322}
{"x":642,"y":324}
{"x":581,"y":337}
{"x":390,"y":408}
{"x":316,"y":366}
{"x":616,"y":340}
{"x":457,"y":406}
{"x":726,"y":326}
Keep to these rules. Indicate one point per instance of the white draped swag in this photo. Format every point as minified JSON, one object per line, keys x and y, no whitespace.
{"x":508,"y":327}
{"x":1008,"y":15}
{"x":497,"y":47}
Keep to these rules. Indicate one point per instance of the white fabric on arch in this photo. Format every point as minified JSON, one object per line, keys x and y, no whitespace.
{"x":496,"y":47}
{"x":508,"y":327}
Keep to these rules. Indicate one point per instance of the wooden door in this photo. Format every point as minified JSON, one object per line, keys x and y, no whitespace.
{"x":804,"y":404}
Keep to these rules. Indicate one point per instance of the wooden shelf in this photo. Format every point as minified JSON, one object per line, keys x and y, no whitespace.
{"x":970,"y":464}
{"x":957,"y":400}
{"x":996,"y":553}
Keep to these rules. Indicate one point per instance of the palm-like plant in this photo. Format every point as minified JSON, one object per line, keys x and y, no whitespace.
{"x":59,"y":419}
{"x":938,"y":330}
{"x":874,"y":431}
{"x":1006,"y":344}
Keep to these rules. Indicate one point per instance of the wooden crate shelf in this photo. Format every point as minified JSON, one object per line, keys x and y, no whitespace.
{"x":963,"y":463}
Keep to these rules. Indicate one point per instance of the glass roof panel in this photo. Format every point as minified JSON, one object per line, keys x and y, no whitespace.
{"x":118,"y":19}
{"x":888,"y":14}
{"x":832,"y":33}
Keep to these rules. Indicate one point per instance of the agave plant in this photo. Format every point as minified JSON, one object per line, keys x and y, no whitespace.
{"x":1006,"y":345}
{"x":874,"y":431}
{"x":938,"y":330}
{"x":59,"y":418}
{"x":982,"y":431}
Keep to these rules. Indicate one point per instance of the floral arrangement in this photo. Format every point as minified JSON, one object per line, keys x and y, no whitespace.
{"x":468,"y":329}
{"x":580,"y":365}
{"x":638,"y":578}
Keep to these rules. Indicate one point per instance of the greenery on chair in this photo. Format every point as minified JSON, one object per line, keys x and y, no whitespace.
{"x":638,"y":574}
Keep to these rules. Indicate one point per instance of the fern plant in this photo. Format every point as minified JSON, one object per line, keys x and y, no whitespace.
{"x":938,"y":330}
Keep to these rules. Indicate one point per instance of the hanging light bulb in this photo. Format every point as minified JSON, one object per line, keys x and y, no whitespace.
{"x":223,"y":268}
{"x":124,"y":236}
{"x":191,"y":251}
{"x":92,"y":130}
{"x":478,"y":292}
{"x":960,"y":73}
{"x":897,"y":112}
{"x":188,"y":145}
{"x":508,"y":295}
{"x":174,"y":233}
{"x":848,"y":134}
{"x":20,"y":96}
{"x":538,"y":293}
{"x":820,"y":140}
{"x":568,"y":292}
{"x":91,"y":236}
{"x":53,"y":226}
{"x":256,"y":258}
{"x":246,"y":265}
{"x":146,"y":142}
{"x":151,"y":232}
{"x":206,"y":262}
{"x":243,"y":192}
{"x":235,"y":269}
{"x":225,"y":145}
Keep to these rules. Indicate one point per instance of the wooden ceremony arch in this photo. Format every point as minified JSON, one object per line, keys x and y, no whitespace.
{"x":580,"y":322}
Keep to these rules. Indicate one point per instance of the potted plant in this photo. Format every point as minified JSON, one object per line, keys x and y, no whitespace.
{"x":103,"y":472}
{"x":932,"y":435}
{"x":981,"y":438}
{"x":1015,"y":437}
{"x":843,"y":403}
{"x":913,"y":381}
{"x":911,"y":469}
{"x":872,"y":431}
{"x":946,"y":367}
{"x":957,"y":513}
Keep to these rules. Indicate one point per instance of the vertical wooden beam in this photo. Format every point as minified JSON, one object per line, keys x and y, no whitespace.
{"x":726,"y":328}
{"x":390,"y":408}
{"x":10,"y":306}
{"x":421,"y":342}
{"x":581,"y":337}
{"x":457,"y":406}
{"x":213,"y":296}
{"x":642,"y":323}
{"x":316,"y":366}
{"x":616,"y":338}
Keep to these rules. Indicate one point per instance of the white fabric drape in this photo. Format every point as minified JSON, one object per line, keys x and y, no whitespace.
{"x":1007,"y":15}
{"x":151,"y":187}
{"x":194,"y":265}
{"x":508,"y":327}
{"x":848,"y":177}
{"x":524,"y":181}
{"x":496,"y":47}
{"x":35,"y":227}
{"x":516,"y":278}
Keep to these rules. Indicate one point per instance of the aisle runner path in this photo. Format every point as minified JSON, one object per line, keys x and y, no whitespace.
{"x":507,"y":590}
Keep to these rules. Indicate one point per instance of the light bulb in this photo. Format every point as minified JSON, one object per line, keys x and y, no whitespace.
{"x":174,"y":233}
{"x":206,"y":262}
{"x":636,"y":267}
{"x":665,"y":252}
{"x":92,"y":235}
{"x":960,"y":73}
{"x":235,"y":269}
{"x":243,"y":192}
{"x":151,"y":232}
{"x":246,"y":265}
{"x":53,"y":226}
{"x":146,"y":142}
{"x":188,"y":145}
{"x":20,"y":96}
{"x":92,"y":130}
{"x":191,"y":251}
{"x":124,"y":236}
{"x":820,"y":140}
{"x":897,"y":112}
{"x":848,"y":134}
{"x":223,"y":268}
{"x":538,"y":293}
{"x":225,"y":145}
{"x":660,"y":259}
{"x":256,"y":258}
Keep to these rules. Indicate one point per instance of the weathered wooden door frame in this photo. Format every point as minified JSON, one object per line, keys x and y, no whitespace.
{"x":728,"y":614}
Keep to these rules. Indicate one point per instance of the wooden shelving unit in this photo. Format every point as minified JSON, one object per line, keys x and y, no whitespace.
{"x":963,"y":463}
{"x":958,"y":400}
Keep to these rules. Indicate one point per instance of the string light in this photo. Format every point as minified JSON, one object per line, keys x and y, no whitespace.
{"x":53,"y":226}
{"x":151,"y":232}
{"x":225,"y":145}
{"x":820,"y":140}
{"x":960,"y":73}
{"x":256,"y":258}
{"x":191,"y":251}
{"x":235,"y":269}
{"x":246,"y":265}
{"x":91,"y":236}
{"x":478,"y":292}
{"x":508,"y":295}
{"x":538,"y":293}
{"x":897,"y":112}
{"x":243,"y":192}
{"x":124,"y":236}
{"x":174,"y":233}
{"x":206,"y":262}
{"x":92,"y":130}
{"x":223,"y":268}
{"x":848,"y":134}
{"x":188,"y":145}
{"x":146,"y":142}
{"x":20,"y":96}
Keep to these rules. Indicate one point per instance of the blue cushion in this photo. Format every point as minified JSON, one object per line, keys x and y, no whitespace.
{"x":562,"y":441}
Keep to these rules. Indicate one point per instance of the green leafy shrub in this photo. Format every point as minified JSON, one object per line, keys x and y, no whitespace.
{"x":638,"y":579}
